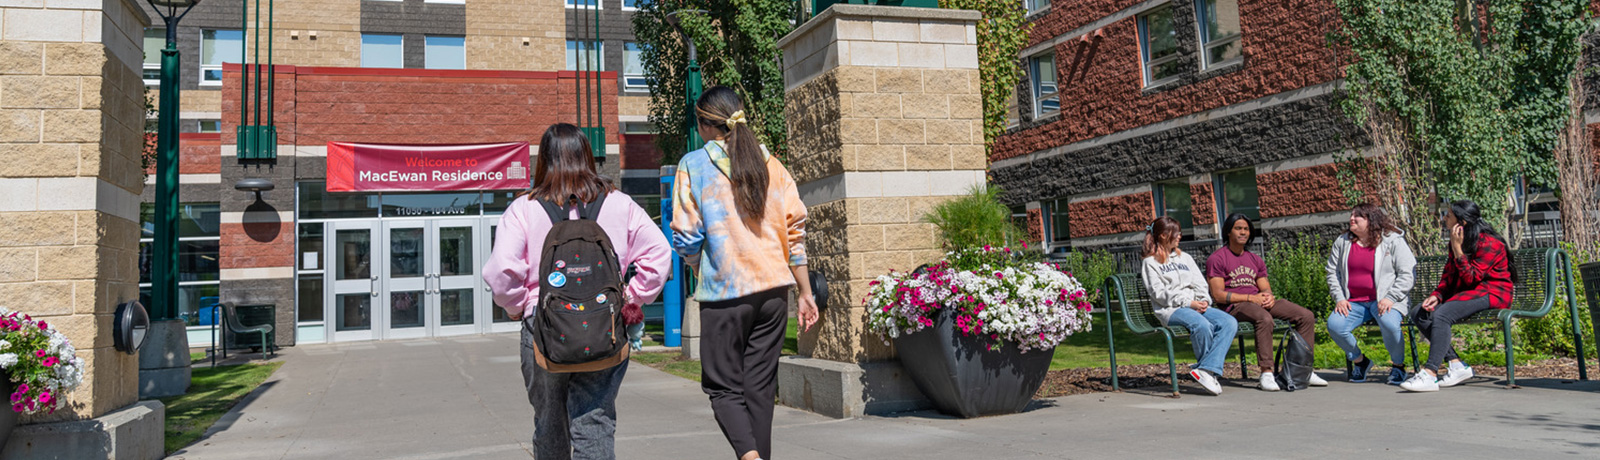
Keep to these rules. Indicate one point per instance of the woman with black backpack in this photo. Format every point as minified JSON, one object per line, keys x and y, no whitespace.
{"x":738,"y":218}
{"x":575,"y":412}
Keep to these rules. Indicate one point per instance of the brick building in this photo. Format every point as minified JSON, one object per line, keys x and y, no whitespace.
{"x":1195,"y":109}
{"x":378,"y":71}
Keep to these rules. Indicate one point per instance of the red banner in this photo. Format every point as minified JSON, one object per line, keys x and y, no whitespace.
{"x":393,"y":168}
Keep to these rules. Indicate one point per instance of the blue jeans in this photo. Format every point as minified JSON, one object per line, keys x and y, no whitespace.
{"x":1341,"y":326}
{"x":1211,"y":333}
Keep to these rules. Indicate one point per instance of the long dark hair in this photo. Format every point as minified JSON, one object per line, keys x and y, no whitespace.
{"x":1227,"y":228}
{"x":565,"y":168}
{"x":1473,"y":228}
{"x":721,"y":108}
{"x":1162,"y":228}
{"x":1378,"y":224}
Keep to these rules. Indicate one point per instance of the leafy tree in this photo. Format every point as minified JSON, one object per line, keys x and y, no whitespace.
{"x":1460,"y":96}
{"x":737,"y":46}
{"x":1001,"y":35}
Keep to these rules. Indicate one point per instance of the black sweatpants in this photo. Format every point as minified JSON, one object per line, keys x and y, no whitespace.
{"x":740,"y":341}
{"x":1435,"y":325}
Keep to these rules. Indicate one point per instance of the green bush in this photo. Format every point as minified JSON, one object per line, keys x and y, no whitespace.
{"x":1552,"y":334}
{"x":1297,"y":273}
{"x":974,"y":220}
{"x":1090,"y":268}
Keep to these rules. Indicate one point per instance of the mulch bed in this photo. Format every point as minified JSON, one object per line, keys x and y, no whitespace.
{"x":1067,"y":382}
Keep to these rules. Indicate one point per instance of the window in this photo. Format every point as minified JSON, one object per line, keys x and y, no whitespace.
{"x":217,"y":47}
{"x":633,"y":76}
{"x":210,"y":126}
{"x":632,"y":5}
{"x":1060,"y":225}
{"x":1219,"y":31}
{"x":444,"y":52}
{"x":1173,"y":200}
{"x":583,"y":4}
{"x":1237,"y":193}
{"x":154,"y":41}
{"x":378,"y":50}
{"x":1042,"y":71}
{"x":638,"y":127}
{"x":1158,"y":46}
{"x":585,"y":55}
{"x":1036,"y":5}
{"x":198,"y":271}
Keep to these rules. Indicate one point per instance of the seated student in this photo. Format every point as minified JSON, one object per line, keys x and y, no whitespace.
{"x":1477,"y":276}
{"x":1238,"y":281}
{"x":1178,"y":295}
{"x":1370,"y":276}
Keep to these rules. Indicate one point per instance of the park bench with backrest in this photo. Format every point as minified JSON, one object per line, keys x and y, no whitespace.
{"x":1125,"y":292}
{"x":1544,"y":274}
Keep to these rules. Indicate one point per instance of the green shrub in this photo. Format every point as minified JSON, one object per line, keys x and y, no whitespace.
{"x":1090,"y":268}
{"x":974,"y":220}
{"x":1297,"y":273}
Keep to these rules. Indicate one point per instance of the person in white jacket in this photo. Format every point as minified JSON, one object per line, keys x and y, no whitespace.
{"x":1370,"y":277}
{"x":1179,"y":295}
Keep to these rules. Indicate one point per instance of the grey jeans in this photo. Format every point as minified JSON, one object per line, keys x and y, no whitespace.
{"x":1435,"y":325}
{"x":574,"y":415}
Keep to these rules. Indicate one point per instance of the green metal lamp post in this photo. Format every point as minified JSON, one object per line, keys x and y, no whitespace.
{"x":693,"y":85}
{"x":164,"y":276}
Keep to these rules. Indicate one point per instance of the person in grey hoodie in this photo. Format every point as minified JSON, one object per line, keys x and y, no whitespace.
{"x":1370,"y":273}
{"x":1180,"y":296}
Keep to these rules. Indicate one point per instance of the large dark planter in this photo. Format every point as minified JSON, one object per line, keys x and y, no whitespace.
{"x":1591,"y":289}
{"x":963,"y":377}
{"x":8,"y":417}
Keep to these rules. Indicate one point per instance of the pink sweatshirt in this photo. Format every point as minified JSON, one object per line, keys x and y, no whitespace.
{"x":512,"y":270}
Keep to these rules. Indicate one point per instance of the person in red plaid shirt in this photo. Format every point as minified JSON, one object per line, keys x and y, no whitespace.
{"x":1478,"y":276}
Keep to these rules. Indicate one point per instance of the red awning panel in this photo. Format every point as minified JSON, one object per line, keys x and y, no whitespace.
{"x":412,"y":168}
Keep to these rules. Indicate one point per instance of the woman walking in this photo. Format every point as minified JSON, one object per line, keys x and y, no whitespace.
{"x":1477,"y":276}
{"x":1370,"y":274}
{"x":575,"y":414}
{"x":1179,"y":296}
{"x":1238,"y":280}
{"x":738,"y":216}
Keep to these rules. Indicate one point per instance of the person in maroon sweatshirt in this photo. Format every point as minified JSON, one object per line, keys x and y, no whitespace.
{"x":1478,"y":276}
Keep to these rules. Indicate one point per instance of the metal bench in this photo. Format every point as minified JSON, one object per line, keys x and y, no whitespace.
{"x":1543,"y":272}
{"x":1126,"y":292}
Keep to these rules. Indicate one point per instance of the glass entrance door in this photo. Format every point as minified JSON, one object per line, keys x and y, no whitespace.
{"x":355,"y":286}
{"x":405,"y":280}
{"x":453,"y":264}
{"x":499,"y":322}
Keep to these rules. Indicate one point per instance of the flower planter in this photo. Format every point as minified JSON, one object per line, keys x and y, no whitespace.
{"x":963,"y":377}
{"x":8,"y":417}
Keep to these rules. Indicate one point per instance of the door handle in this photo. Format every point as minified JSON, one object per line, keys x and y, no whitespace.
{"x":373,"y":286}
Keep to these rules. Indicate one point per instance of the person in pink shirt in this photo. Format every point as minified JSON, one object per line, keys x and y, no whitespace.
{"x":574,"y":413}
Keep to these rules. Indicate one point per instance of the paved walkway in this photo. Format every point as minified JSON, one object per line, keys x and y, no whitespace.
{"x":462,"y":398}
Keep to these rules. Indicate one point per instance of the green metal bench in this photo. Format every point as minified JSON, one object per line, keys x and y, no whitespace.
{"x":1126,"y":292}
{"x":1542,"y":273}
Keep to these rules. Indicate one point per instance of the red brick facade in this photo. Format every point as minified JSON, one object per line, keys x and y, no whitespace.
{"x":198,"y":153}
{"x":256,"y":245}
{"x":1108,"y":216}
{"x":1036,"y":225}
{"x":639,"y":152}
{"x":1203,"y":204}
{"x":316,"y":105}
{"x":1101,"y":83}
{"x":1299,"y":191}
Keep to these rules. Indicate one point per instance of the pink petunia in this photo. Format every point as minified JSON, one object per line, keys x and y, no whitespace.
{"x":46,"y":397}
{"x":23,"y":389}
{"x":39,"y":353}
{"x":18,"y":407}
{"x":51,"y":361}
{"x":43,"y":325}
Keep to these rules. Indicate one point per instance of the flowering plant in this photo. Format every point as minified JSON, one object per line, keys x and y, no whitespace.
{"x":39,"y":360}
{"x":997,"y":294}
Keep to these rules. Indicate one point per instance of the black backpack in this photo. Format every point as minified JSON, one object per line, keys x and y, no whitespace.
{"x":1292,"y":362}
{"x":578,"y":326}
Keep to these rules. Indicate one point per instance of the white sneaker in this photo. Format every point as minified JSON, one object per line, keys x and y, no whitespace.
{"x":1317,"y":380}
{"x":1421,"y":381}
{"x":1269,"y":382}
{"x":1206,"y":380}
{"x":1455,"y":377}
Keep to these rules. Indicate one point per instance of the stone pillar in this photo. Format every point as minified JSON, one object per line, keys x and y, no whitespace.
{"x":885,"y":121}
{"x":71,"y":123}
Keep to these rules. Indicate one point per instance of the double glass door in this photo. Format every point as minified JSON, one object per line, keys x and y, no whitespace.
{"x":407,"y":278}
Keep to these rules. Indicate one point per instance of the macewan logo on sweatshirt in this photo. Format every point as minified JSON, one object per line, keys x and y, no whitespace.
{"x":1174,"y":267}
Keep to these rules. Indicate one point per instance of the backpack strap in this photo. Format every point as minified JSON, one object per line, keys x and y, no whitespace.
{"x":591,"y":211}
{"x":557,"y":214}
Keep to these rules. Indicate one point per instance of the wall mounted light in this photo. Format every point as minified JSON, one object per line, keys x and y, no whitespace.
{"x":129,"y":326}
{"x":256,"y":185}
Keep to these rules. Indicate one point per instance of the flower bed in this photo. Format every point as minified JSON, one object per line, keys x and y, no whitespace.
{"x":39,"y":361}
{"x":999,"y":295}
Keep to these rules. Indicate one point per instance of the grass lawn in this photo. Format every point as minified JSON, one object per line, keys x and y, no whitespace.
{"x":212,"y":391}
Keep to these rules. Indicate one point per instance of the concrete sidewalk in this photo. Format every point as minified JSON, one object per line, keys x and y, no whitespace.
{"x":463,"y":398}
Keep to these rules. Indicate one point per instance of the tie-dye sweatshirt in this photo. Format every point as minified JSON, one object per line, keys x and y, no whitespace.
{"x":735,"y":260}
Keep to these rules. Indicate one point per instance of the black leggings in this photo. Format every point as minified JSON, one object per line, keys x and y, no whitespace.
{"x":742,"y":338}
{"x":1435,"y":325}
